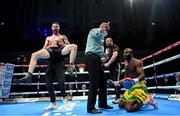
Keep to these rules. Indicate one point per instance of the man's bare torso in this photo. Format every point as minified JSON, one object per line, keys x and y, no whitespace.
{"x":55,"y":41}
{"x":130,"y":68}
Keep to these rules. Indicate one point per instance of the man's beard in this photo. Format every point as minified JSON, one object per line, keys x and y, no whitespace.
{"x":55,"y":31}
{"x":127,"y":57}
{"x":108,"y":46}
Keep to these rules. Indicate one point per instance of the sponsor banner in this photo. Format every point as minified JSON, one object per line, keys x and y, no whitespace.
{"x":7,"y":84}
{"x":9,"y":68}
{"x":6,"y":75}
{"x":174,"y":97}
{"x":162,"y":96}
{"x":5,"y":93}
{"x":2,"y":75}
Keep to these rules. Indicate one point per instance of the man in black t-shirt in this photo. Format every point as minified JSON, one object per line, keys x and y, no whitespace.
{"x":112,"y":59}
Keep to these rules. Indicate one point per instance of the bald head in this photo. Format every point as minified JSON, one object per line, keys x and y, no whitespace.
{"x":128,"y":50}
{"x":109,"y":41}
{"x":128,"y":53}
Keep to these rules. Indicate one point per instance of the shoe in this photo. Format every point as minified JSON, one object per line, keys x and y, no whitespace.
{"x":116,"y":101}
{"x":51,"y":107}
{"x":66,"y":106}
{"x":71,"y":70}
{"x":94,"y":111}
{"x":26,"y":79}
{"x":106,"y":107}
{"x":66,"y":103}
{"x":151,"y":101}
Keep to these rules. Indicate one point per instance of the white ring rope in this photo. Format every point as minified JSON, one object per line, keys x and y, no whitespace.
{"x":165,"y":87}
{"x":73,"y":91}
{"x":55,"y":83}
{"x":20,"y":74}
{"x":163,"y":75}
{"x":146,"y":67}
{"x":87,"y":82}
{"x":46,"y":92}
{"x":163,"y":61}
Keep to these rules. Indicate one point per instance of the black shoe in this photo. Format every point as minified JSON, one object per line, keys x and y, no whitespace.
{"x":94,"y":111}
{"x":26,"y":79}
{"x":106,"y":107}
{"x":72,"y":70}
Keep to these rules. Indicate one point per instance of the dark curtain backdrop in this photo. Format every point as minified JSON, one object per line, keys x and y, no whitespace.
{"x":140,"y":24}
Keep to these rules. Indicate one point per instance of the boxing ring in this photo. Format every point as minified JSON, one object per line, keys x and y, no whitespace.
{"x":160,"y":80}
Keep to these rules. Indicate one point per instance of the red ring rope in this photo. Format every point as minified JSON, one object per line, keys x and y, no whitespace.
{"x":143,"y":59}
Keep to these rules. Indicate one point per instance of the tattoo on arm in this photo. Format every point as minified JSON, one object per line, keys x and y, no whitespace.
{"x":66,"y":40}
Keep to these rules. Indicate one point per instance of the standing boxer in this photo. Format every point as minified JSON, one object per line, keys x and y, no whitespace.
{"x":54,"y":42}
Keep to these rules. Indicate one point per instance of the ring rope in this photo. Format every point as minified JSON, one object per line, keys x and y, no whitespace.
{"x":146,"y":67}
{"x":87,"y":82}
{"x":163,"y":75}
{"x":55,"y":83}
{"x":73,"y":91}
{"x":20,"y":74}
{"x":37,"y":66}
{"x":165,"y":87}
{"x":46,"y":92}
{"x":163,"y":61}
{"x":162,"y":50}
{"x":143,"y":59}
